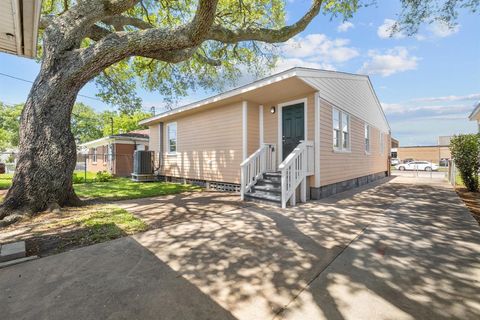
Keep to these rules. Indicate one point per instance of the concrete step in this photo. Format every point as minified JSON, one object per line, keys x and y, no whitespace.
{"x":16,"y":261}
{"x":267,"y":188}
{"x":12,"y":251}
{"x":269,"y":183}
{"x":273,"y":176}
{"x":263,"y":196}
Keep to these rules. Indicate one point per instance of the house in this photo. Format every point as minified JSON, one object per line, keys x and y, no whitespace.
{"x":19,"y":22}
{"x":302,"y":133}
{"x":475,"y":115}
{"x":114,"y":153}
{"x":434,"y":153}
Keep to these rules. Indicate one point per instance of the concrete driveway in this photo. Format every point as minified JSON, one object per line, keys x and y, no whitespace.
{"x":404,"y":249}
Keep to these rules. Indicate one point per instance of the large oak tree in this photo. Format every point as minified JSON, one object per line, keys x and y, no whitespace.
{"x":164,"y":45}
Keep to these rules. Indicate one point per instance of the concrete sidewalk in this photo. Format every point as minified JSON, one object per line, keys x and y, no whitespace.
{"x":399,"y":250}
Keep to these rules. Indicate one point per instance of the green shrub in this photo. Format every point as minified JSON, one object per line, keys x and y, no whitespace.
{"x":465,"y":152}
{"x":103,"y":176}
{"x":78,"y":178}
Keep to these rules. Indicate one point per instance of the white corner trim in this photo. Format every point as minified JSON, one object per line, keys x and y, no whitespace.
{"x":245,"y":129}
{"x":280,"y":123}
{"x":260,"y":127}
{"x":316,"y":140}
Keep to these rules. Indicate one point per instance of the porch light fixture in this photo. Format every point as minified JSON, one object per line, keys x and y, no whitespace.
{"x":272,"y":110}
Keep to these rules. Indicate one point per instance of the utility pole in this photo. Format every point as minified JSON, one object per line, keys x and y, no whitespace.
{"x":111,"y":126}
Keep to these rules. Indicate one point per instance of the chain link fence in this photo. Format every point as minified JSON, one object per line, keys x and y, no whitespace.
{"x":452,"y":173}
{"x":87,"y":164}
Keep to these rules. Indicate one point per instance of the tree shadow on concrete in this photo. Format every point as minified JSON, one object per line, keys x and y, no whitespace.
{"x":260,"y":262}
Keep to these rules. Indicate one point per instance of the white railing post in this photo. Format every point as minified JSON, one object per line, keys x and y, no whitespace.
{"x":252,"y":168}
{"x":295,"y":169}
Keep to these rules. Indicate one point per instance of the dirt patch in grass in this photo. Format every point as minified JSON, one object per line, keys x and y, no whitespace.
{"x":50,"y":233}
{"x":472,"y":200}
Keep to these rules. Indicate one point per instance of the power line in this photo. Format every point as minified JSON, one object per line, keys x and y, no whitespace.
{"x":29,"y":81}
{"x":80,"y":95}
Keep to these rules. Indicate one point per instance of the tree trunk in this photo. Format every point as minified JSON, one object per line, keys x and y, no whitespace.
{"x":47,"y":151}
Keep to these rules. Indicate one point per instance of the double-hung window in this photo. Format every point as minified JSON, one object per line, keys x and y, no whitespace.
{"x":94,"y":160}
{"x":367,"y":138}
{"x":336,"y":128}
{"x":341,"y":130}
{"x":172,"y":138}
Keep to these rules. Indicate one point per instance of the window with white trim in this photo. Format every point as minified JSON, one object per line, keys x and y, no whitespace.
{"x":367,"y":138}
{"x":341,"y":130}
{"x":172,"y":138}
{"x":105,"y":154}
{"x":336,"y":128}
{"x":345,"y":131}
{"x":382,"y":143}
{"x":94,"y":159}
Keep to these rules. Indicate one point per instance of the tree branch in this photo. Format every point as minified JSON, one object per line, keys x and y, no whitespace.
{"x":119,"y":22}
{"x":159,"y":43}
{"x":225,"y":35}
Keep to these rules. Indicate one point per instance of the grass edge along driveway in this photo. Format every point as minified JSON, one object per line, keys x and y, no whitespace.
{"x":117,"y":188}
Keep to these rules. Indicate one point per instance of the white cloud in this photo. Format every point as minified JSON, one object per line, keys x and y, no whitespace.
{"x":441,"y":29}
{"x":468,"y":97}
{"x":315,"y":51}
{"x":439,"y":110}
{"x":288,"y":63}
{"x":386,"y":30}
{"x":345,"y":26}
{"x":318,"y":47}
{"x":392,"y":61}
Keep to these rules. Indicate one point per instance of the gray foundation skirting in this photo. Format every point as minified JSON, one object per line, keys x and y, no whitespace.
{"x":334,"y":188}
{"x":207,"y":184}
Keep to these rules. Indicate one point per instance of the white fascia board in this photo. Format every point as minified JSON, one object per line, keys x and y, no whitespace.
{"x":232,"y":93}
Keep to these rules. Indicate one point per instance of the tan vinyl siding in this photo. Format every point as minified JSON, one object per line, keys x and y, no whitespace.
{"x":209,"y":145}
{"x":341,"y":166}
{"x":153,"y":143}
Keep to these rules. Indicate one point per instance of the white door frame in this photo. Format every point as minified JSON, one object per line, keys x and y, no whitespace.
{"x":280,"y":123}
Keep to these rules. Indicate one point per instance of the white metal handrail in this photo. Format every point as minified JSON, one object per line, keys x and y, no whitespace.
{"x":295,"y":169}
{"x":251,"y":169}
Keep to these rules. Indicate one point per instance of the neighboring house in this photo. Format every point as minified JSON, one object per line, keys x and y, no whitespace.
{"x":393,"y":148}
{"x":250,"y":139}
{"x":433,"y":153}
{"x":114,"y":153}
{"x":19,"y":21}
{"x":475,"y":115}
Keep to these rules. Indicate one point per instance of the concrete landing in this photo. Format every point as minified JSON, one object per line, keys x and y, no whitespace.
{"x":12,"y":251}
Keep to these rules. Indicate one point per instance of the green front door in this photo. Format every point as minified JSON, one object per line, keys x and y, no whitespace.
{"x":293,"y":127}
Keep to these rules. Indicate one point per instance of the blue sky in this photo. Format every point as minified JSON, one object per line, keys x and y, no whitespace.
{"x":428,"y":84}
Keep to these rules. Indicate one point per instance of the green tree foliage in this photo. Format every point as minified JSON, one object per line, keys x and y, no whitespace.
{"x":218,"y":64}
{"x":9,"y":125}
{"x":122,"y":122}
{"x":465,"y":152}
{"x":86,"y":123}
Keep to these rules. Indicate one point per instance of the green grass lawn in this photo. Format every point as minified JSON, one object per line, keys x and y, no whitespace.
{"x":117,"y":188}
{"x":5,"y":181}
{"x":124,"y":188}
{"x":459,"y":181}
{"x":100,"y":224}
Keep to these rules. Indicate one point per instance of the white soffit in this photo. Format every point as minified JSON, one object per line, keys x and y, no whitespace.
{"x":19,"y":20}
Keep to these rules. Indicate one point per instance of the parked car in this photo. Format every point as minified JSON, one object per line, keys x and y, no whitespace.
{"x":443,"y":162}
{"x":2,"y":168}
{"x":417,"y":165}
{"x":394,"y":161}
